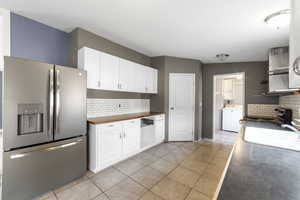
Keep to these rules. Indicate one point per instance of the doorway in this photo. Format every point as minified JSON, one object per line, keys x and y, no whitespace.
{"x":181,"y":107}
{"x":228,"y":106}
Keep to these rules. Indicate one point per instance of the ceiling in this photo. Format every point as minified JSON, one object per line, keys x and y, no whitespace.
{"x":197,"y":29}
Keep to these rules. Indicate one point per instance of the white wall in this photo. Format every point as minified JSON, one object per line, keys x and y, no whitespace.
{"x":4,"y":35}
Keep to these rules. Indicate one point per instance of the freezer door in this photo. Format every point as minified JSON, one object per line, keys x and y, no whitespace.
{"x":28,"y":101}
{"x":70,"y":117}
{"x":30,"y":172}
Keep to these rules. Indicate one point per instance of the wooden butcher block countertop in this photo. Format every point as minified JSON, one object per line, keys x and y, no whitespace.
{"x":116,"y":118}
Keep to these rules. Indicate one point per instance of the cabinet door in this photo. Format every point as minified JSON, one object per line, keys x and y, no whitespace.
{"x":294,"y":72}
{"x":110,"y":143}
{"x":140,"y":78}
{"x":149,"y":82}
{"x":159,"y":131}
{"x":126,"y":76}
{"x":155,"y":81}
{"x":109,"y":72}
{"x":228,"y":89}
{"x":89,"y":60}
{"x":132,"y":136}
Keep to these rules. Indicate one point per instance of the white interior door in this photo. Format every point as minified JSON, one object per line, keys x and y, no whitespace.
{"x":181,"y":107}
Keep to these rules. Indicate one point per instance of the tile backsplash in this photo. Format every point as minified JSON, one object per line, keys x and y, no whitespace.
{"x":108,"y":107}
{"x":262,"y":110}
{"x":292,"y":102}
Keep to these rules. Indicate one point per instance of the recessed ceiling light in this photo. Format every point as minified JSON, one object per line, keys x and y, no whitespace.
{"x":222,"y":56}
{"x":279,"y":19}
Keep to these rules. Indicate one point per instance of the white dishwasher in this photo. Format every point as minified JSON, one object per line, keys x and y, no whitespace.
{"x":231,"y":117}
{"x":147,"y":132}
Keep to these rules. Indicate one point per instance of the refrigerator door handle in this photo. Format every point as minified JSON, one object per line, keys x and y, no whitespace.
{"x":51,"y":102}
{"x":62,"y":146}
{"x":57,"y":100}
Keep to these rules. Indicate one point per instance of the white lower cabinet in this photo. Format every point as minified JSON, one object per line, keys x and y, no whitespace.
{"x":159,"y":125}
{"x":132,"y":136}
{"x":110,"y":143}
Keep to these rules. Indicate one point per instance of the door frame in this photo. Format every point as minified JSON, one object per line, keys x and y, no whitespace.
{"x":193,"y":75}
{"x":214,"y":95}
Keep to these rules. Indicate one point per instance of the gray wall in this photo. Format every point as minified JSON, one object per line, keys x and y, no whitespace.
{"x":82,"y":38}
{"x":167,"y":65}
{"x":255,"y":72}
{"x":36,"y":41}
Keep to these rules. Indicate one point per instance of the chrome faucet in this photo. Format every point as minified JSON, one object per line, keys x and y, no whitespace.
{"x":291,"y":127}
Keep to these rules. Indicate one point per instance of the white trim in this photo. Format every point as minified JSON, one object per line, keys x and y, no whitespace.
{"x":214,"y":95}
{"x":193,"y":75}
{"x":5,"y":14}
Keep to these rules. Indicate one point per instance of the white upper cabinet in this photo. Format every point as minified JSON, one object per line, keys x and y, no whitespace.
{"x":151,"y":83}
{"x":149,"y":75}
{"x":228,"y":88}
{"x":146,"y":79}
{"x":155,"y":83}
{"x":140,"y":78}
{"x":89,"y":60}
{"x":126,"y":76}
{"x":108,"y":72}
{"x":294,"y":73}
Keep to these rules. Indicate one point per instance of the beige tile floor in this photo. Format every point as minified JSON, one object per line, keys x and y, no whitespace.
{"x":225,"y":136}
{"x":170,"y":171}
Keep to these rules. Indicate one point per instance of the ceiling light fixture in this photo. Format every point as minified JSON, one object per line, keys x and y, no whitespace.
{"x":222,"y":56}
{"x":279,"y":19}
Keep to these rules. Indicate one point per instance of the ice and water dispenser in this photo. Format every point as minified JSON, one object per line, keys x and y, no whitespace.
{"x":30,"y":118}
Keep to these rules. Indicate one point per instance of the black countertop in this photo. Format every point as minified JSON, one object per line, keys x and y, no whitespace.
{"x":258,"y":172}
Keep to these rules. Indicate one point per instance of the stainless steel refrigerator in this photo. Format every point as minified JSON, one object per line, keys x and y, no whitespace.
{"x":44,"y":127}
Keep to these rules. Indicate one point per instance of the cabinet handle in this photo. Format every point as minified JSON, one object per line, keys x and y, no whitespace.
{"x":120,"y":86}
{"x":99,"y":84}
{"x":296,"y":67}
{"x":120,"y":135}
{"x":111,"y":125}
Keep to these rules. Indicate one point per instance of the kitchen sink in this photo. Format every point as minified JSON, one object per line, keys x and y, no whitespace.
{"x":272,"y":137}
